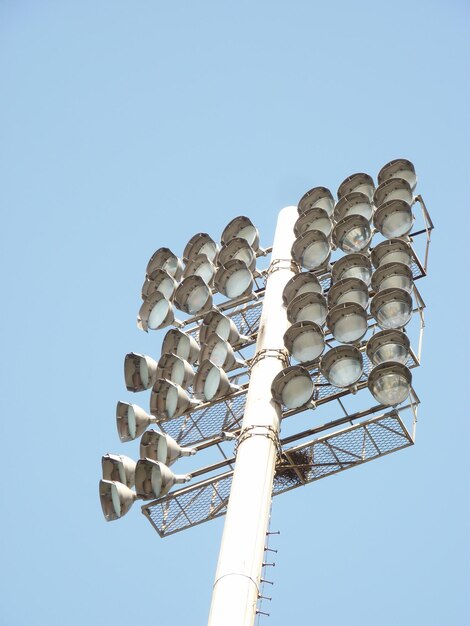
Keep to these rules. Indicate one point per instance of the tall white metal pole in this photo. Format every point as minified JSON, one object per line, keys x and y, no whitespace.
{"x":236,"y":587}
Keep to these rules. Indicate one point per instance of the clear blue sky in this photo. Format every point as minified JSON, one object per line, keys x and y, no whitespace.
{"x":127,"y":126}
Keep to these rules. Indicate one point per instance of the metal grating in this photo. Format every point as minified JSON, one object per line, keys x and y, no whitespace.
{"x":300,"y":465}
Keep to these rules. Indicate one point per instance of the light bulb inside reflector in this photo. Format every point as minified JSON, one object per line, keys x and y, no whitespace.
{"x":394,"y":219}
{"x":388,"y":345}
{"x":352,"y":234}
{"x":311,"y":250}
{"x":392,"y":308}
{"x":304,"y":341}
{"x":390,"y":383}
{"x":293,"y":387}
{"x":347,"y":322}
{"x":342,"y":366}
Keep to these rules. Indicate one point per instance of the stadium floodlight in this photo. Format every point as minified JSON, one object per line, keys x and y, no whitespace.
{"x":304,"y":341}
{"x":320,"y":197}
{"x":164,"y":259}
{"x":392,"y":308}
{"x":388,"y":345}
{"x":140,"y":371}
{"x":237,"y":248}
{"x":390,"y":383}
{"x":392,"y":251}
{"x":234,"y":279}
{"x":220,"y":353}
{"x":355,"y":265}
{"x":212,"y":383}
{"x":116,"y":499}
{"x":347,"y":322}
{"x":154,"y":479}
{"x":393,"y":189}
{"x":392,"y":275}
{"x":394,"y":218}
{"x":310,"y":307}
{"x":201,"y":243}
{"x":131,"y":421}
{"x":156,"y":312}
{"x":117,"y":467}
{"x":361,"y":183}
{"x":216,"y":323}
{"x":202,"y":266}
{"x":169,"y":400}
{"x":180,"y":343}
{"x":303,"y":282}
{"x":355,"y":203}
{"x":241,"y":226}
{"x":159,"y":281}
{"x":311,"y":250}
{"x":352,"y":234}
{"x":349,"y":290}
{"x":176,"y":369}
{"x":293,"y":387}
{"x":193,"y":295}
{"x":161,"y":447}
{"x":342,"y":366}
{"x":398,"y":168}
{"x":314,"y":219}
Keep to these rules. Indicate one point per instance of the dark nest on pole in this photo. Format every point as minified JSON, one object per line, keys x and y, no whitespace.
{"x":293,"y":470}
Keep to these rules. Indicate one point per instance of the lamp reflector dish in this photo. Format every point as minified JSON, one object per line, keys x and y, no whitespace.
{"x":392,"y":308}
{"x":310,"y":307}
{"x":293,"y":387}
{"x":311,"y":250}
{"x":394,"y":218}
{"x":320,"y":197}
{"x":390,"y":383}
{"x":360,"y":183}
{"x":398,"y":168}
{"x":355,"y":265}
{"x":304,"y":282}
{"x":352,"y":234}
{"x":388,"y":345}
{"x":347,"y":322}
{"x":342,"y":366}
{"x":304,"y":341}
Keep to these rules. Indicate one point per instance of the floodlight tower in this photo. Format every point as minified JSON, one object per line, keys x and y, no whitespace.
{"x":327,"y":317}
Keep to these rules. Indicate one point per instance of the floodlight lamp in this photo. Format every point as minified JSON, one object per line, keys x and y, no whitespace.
{"x":355,"y":203}
{"x":154,"y":479}
{"x":355,"y":265}
{"x":220,"y":353}
{"x":156,"y":312}
{"x":393,"y":189}
{"x":342,"y":366}
{"x":169,"y":400}
{"x":224,"y":327}
{"x":292,"y":387}
{"x":392,"y":308}
{"x":212,"y":383}
{"x":202,"y":266}
{"x":116,"y":499}
{"x":117,"y":467}
{"x":392,"y":251}
{"x":390,"y":383}
{"x":304,"y":341}
{"x":313,"y":219}
{"x":140,"y":371}
{"x":193,"y":295}
{"x":237,"y":248}
{"x":164,"y":259}
{"x":347,"y":322}
{"x":131,"y":421}
{"x":304,"y":282}
{"x":360,"y":183}
{"x":349,"y":290}
{"x":394,"y":218}
{"x":159,"y":281}
{"x":320,"y":197}
{"x":175,"y":369}
{"x":241,"y":226}
{"x":161,"y":447}
{"x":352,"y":234}
{"x":388,"y":345}
{"x":311,"y":250}
{"x":201,"y":243}
{"x":180,"y":343}
{"x":398,"y":168}
{"x":309,"y":307}
{"x":392,"y":275}
{"x":234,"y":279}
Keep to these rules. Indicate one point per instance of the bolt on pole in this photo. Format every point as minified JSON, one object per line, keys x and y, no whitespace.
{"x":236,"y":587}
